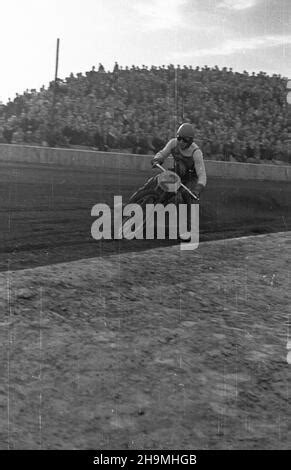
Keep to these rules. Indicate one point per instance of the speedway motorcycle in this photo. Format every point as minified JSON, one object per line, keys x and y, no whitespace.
{"x":163,"y":188}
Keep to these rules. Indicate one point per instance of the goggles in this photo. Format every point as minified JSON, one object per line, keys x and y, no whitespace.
{"x":187,"y":140}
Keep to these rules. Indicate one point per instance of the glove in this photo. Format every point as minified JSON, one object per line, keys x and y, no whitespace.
{"x":198,"y":190}
{"x":156,"y":160}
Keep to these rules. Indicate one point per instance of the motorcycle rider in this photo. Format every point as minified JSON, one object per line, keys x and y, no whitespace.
{"x":188,"y":160}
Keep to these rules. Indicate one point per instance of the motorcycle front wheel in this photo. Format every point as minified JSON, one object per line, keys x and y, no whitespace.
{"x":142,"y":199}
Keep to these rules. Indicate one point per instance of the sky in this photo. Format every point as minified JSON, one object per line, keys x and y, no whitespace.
{"x":250,"y":35}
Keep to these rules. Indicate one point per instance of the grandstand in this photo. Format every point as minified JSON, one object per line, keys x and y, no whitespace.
{"x":238,"y":116}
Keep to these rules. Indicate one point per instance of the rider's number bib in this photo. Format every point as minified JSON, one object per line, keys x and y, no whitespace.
{"x":169,"y":181}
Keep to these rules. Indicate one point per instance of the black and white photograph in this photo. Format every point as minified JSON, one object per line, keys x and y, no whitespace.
{"x":145,"y":220}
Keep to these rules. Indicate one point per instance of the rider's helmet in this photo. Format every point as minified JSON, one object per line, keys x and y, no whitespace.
{"x":185,"y":133}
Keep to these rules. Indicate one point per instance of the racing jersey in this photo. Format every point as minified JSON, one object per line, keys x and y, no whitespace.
{"x":191,"y":157}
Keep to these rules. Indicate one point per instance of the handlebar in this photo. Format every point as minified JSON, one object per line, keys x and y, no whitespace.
{"x":159,"y":166}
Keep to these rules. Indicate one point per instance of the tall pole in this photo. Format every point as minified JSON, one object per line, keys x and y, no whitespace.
{"x":51,"y":120}
{"x":56,"y":71}
{"x":57,"y":60}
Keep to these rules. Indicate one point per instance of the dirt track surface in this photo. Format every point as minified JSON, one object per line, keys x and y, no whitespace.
{"x":45,"y":212}
{"x":160,"y":349}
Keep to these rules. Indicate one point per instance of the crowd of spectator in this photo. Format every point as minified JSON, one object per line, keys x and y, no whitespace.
{"x":237,"y":116}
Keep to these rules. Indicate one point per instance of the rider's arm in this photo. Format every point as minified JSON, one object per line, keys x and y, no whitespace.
{"x":200,"y":170}
{"x":165,"y":152}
